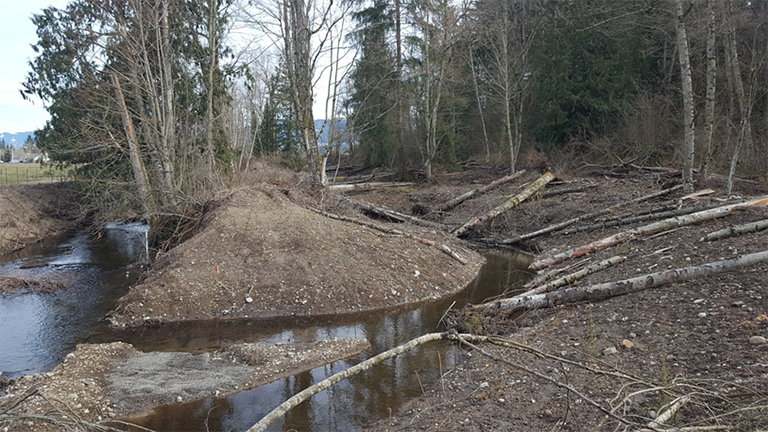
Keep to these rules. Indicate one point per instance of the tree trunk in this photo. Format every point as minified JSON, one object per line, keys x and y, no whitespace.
{"x":687,"y":87}
{"x":480,"y":107}
{"x":736,"y":230}
{"x":612,"y":289}
{"x":644,"y":230}
{"x":513,"y":202}
{"x":592,"y":215}
{"x":479,"y":191}
{"x":137,"y":164}
{"x":709,"y":108}
{"x":168,"y":130}
{"x":744,"y":103}
{"x":400,"y":217}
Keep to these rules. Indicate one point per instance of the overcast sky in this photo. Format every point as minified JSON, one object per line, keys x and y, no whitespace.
{"x":17,"y":33}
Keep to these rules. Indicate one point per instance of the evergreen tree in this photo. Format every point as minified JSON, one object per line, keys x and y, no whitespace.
{"x":373,"y":102}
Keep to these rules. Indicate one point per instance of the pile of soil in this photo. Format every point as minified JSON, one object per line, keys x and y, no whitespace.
{"x":30,"y":213}
{"x":261,"y":254}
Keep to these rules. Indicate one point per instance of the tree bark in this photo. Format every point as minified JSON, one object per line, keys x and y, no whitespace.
{"x":732,"y":231}
{"x":513,"y":202}
{"x":137,"y":164}
{"x":335,"y":378}
{"x":396,"y":215}
{"x":644,"y":230}
{"x":687,"y":87}
{"x":367,"y":186}
{"x":709,"y":108}
{"x":571,"y":278}
{"x":592,"y":215}
{"x":612,"y":289}
{"x":479,"y":191}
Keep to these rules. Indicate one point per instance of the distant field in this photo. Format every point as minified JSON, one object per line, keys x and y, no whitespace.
{"x":29,"y":173}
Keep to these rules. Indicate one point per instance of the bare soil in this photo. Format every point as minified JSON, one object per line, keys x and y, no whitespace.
{"x":30,"y":213}
{"x":263,"y":253}
{"x":702,"y":340}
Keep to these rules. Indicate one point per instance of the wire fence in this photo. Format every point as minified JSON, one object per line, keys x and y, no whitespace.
{"x":29,"y":173}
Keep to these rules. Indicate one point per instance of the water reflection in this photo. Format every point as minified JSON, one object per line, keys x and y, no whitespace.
{"x":39,"y":329}
{"x":364,"y":398}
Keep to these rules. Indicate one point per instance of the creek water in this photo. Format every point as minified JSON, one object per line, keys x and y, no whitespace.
{"x":39,"y":329}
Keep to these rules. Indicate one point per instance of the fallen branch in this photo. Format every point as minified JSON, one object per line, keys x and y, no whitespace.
{"x":645,"y":218}
{"x":612,"y":289}
{"x":479,"y":191}
{"x":563,"y":191}
{"x":463,"y":340}
{"x":396,"y":215}
{"x":653,"y":228}
{"x":592,"y":215}
{"x":367,"y":186}
{"x":394,"y":232}
{"x":736,"y":230}
{"x":568,"y":279}
{"x":511,"y":203}
{"x":335,"y":378}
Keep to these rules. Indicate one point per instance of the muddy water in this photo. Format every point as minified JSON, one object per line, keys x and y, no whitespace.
{"x":349,"y":405}
{"x":37,"y":330}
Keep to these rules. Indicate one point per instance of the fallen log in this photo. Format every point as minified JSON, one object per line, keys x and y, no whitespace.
{"x":592,"y":215}
{"x":511,"y":203}
{"x":736,"y":230}
{"x":563,"y":191}
{"x":391,"y":231}
{"x":479,"y":191}
{"x":653,"y":228}
{"x":568,"y":279}
{"x":612,"y":289}
{"x":367,"y":186}
{"x":391,"y":214}
{"x":335,"y":378}
{"x":644,"y":218}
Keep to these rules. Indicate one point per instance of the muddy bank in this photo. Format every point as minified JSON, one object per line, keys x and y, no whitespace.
{"x":30,"y":213}
{"x":97,"y":383}
{"x":261,"y":254}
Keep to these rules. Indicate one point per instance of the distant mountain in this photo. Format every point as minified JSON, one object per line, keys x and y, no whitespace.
{"x":341,"y":124}
{"x":16,"y":139}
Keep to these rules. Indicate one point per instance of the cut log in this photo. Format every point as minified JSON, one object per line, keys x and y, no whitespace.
{"x":567,"y":190}
{"x":592,"y":215}
{"x":612,"y":289}
{"x":736,"y":230}
{"x":571,"y":278}
{"x":479,"y":191}
{"x":513,"y":202}
{"x":367,"y":186}
{"x":645,"y":217}
{"x":653,"y":228}
{"x":335,"y":378}
{"x":400,"y":217}
{"x":394,"y":232}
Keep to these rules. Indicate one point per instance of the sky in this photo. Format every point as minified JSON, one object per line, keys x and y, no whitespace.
{"x":17,"y":33}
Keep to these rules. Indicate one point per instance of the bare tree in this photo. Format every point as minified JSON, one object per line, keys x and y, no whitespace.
{"x":687,"y":87}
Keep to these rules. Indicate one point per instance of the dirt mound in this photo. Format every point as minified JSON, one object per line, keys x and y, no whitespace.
{"x":31,"y":212}
{"x":263,"y":255}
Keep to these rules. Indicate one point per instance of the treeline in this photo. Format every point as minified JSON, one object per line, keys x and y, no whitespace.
{"x":157,"y":101}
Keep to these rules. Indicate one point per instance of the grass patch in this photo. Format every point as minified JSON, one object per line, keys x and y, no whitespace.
{"x":13,"y":173}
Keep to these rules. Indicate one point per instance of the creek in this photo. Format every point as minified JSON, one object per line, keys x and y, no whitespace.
{"x":42,"y":328}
